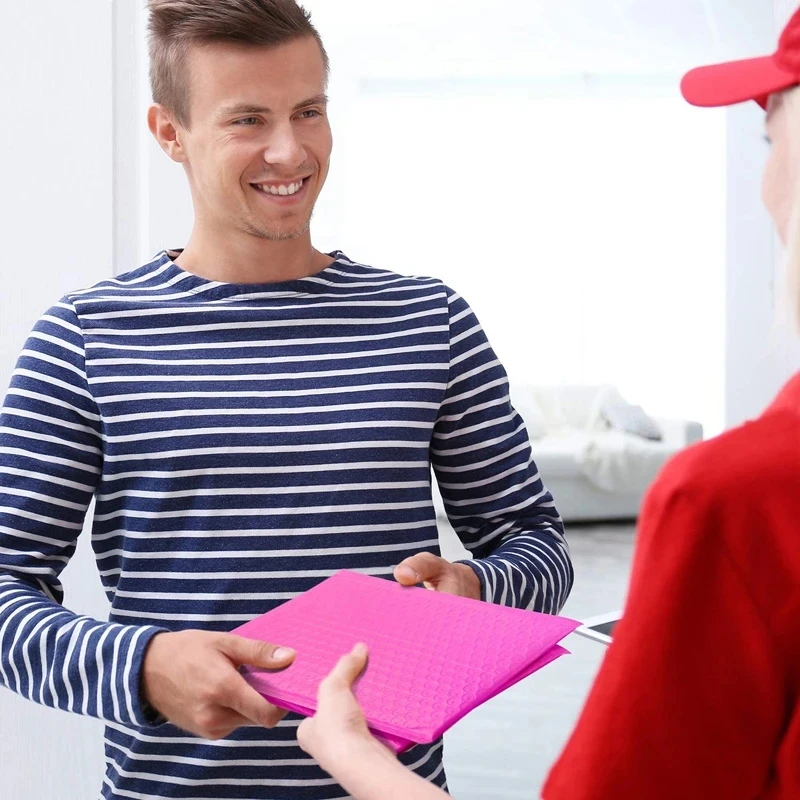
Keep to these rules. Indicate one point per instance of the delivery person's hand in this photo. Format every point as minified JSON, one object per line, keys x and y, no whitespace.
{"x":338,"y":738}
{"x":338,"y":727}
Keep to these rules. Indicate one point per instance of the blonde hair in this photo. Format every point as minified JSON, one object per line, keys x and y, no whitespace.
{"x":788,"y":297}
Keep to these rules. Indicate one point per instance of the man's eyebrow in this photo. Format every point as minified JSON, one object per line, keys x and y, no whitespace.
{"x":249,"y":108}
{"x":316,"y":100}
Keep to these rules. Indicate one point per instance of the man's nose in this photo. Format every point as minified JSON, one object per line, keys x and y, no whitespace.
{"x":283,"y":148}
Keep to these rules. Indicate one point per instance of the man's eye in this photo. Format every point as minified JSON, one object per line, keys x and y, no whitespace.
{"x":247,"y":121}
{"x":310,"y":113}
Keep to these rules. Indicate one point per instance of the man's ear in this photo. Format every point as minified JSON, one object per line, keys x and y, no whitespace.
{"x":166,"y":132}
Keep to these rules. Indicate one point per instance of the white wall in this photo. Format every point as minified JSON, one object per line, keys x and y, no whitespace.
{"x":583,"y":221}
{"x":56,"y":233}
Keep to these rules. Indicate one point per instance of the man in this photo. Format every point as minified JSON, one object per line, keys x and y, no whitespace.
{"x":252,"y":416}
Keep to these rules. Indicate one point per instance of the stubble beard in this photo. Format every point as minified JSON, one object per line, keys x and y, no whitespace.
{"x":276,"y":234}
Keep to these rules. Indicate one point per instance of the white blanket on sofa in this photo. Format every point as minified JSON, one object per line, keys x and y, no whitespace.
{"x":620,"y":462}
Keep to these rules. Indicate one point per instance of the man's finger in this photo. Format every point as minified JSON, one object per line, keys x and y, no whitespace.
{"x":347,"y":669}
{"x":227,"y":721}
{"x":255,"y":653}
{"x":420,"y":568}
{"x":250,"y":704}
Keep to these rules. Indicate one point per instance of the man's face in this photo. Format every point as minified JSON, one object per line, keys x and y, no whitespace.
{"x":258,"y":147}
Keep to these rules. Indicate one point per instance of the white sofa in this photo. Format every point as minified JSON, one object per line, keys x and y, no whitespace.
{"x":594,"y":472}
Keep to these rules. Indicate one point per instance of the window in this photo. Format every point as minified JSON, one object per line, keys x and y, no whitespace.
{"x":583,"y":221}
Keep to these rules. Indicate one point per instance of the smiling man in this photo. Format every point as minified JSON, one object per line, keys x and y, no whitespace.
{"x":252,"y":415}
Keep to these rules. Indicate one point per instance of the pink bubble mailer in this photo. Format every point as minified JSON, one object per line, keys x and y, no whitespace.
{"x":433,"y":657}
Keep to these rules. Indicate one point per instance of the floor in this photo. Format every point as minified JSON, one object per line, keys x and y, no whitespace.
{"x":503,"y":750}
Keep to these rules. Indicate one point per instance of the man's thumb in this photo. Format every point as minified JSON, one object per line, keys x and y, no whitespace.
{"x":256,"y":653}
{"x":419,"y":568}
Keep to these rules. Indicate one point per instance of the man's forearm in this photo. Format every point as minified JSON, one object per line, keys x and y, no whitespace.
{"x":61,"y":660}
{"x":530,"y":570}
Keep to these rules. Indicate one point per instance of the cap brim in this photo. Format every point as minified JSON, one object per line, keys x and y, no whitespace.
{"x":736,"y":82}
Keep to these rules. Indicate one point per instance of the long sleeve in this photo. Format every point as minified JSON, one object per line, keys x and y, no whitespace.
{"x":50,"y":462}
{"x":491,"y":488}
{"x":692,"y":698}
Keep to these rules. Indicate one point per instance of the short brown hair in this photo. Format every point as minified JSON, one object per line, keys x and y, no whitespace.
{"x":175,"y":25}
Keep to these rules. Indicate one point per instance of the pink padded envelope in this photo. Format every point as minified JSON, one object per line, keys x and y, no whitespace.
{"x":433,"y":657}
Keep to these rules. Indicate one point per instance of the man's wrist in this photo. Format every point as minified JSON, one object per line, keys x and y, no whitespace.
{"x":152,"y":716}
{"x":472,"y":583}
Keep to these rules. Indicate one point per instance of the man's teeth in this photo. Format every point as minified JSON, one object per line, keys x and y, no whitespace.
{"x":283,"y":189}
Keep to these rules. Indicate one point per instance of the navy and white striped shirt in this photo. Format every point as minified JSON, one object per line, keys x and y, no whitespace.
{"x":244,"y":442}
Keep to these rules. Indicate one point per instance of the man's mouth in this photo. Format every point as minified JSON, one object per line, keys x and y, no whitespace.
{"x":275,"y":189}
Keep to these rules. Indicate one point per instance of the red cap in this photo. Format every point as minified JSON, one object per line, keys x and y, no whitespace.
{"x":751,"y":79}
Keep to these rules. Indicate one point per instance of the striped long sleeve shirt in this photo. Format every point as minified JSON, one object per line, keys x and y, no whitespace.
{"x":243,"y":443}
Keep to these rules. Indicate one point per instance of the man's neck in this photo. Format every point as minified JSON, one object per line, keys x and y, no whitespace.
{"x":252,"y":260}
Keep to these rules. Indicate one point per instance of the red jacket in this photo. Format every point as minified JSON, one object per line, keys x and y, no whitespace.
{"x":699,"y":695}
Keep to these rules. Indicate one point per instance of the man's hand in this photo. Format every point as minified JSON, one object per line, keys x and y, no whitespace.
{"x":439,"y":575}
{"x":192,"y":678}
